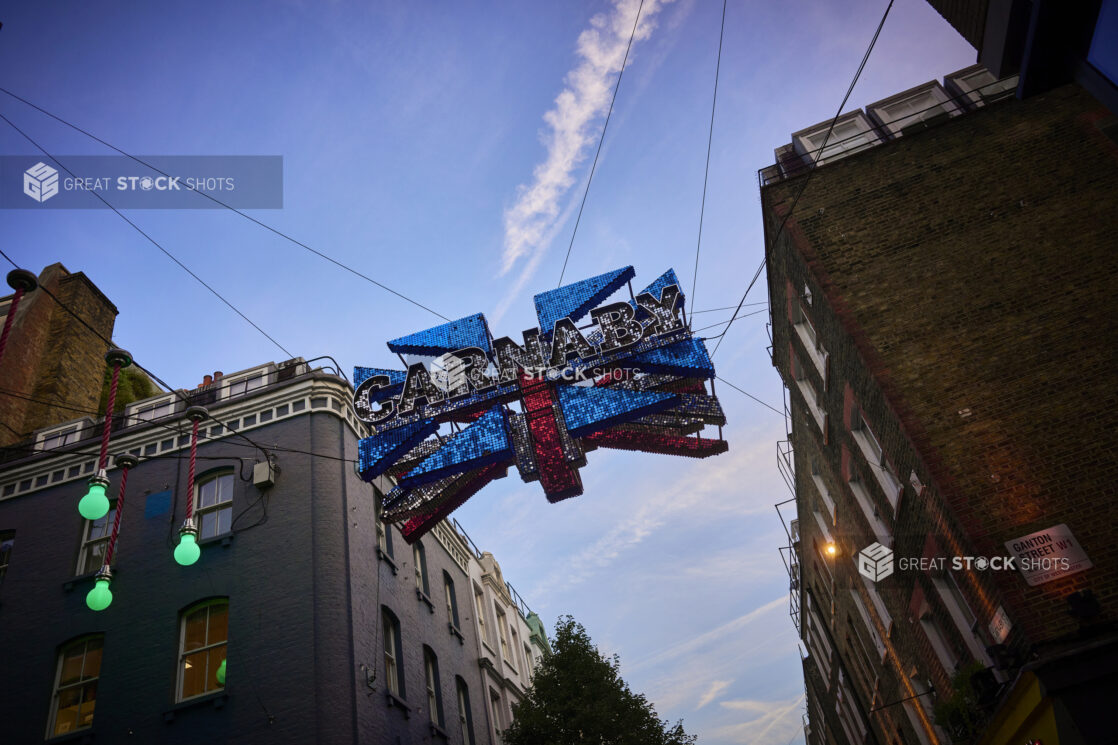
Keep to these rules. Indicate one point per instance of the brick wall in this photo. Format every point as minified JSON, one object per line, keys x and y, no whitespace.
{"x":964,"y":269}
{"x":51,"y":356}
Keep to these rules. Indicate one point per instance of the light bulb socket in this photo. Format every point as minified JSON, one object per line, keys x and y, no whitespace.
{"x":21,"y":279}
{"x":126,"y":460}
{"x":100,"y":478}
{"x":188,"y":528}
{"x":104,"y":573}
{"x":116,"y":356}
{"x":197,"y":413}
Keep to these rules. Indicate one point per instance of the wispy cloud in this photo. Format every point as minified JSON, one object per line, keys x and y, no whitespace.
{"x":714,"y":635}
{"x":656,"y":510}
{"x":716,"y":687}
{"x":571,"y":129}
{"x":775,"y":723}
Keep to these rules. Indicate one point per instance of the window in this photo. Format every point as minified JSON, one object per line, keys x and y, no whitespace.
{"x":157,"y":410}
{"x":870,"y":446}
{"x":531,"y":666}
{"x":7,"y":543}
{"x":479,"y":611}
{"x":451,"y":601}
{"x":215,"y":505}
{"x":60,"y":437}
{"x":812,"y":396}
{"x":245,"y":384}
{"x":465,"y":715}
{"x":500,"y":721}
{"x":393,"y":654}
{"x":809,"y":337}
{"x":821,"y":487}
{"x":870,"y":511}
{"x":96,"y":541}
{"x":503,"y":634}
{"x":515,"y":649}
{"x":434,"y":692}
{"x":75,"y":686}
{"x":914,"y":108}
{"x":419,"y":556}
{"x":384,"y":541}
{"x":852,"y":133}
{"x":938,"y":640}
{"x":979,"y":86}
{"x":203,"y":641}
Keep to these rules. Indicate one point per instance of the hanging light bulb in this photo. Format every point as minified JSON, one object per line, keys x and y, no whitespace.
{"x":188,"y":551}
{"x":221,"y":673}
{"x":100,"y":597}
{"x":95,"y":505}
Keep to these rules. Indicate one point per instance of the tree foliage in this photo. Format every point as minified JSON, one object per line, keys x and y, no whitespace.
{"x":133,"y":385}
{"x":578,"y":697}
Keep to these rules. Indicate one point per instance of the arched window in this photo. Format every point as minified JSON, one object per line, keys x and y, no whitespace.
{"x":203,"y":639}
{"x":75,"y":685}
{"x":420,"y":560}
{"x":393,"y":654}
{"x":451,"y":601}
{"x":214,"y":504}
{"x":434,"y":690}
{"x":95,"y":540}
{"x":465,"y":715}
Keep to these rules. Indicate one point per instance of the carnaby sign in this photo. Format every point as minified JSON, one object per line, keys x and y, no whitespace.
{"x":594,"y":372}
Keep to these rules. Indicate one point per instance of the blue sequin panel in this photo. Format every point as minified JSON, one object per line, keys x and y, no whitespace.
{"x":688,"y":358}
{"x":375,"y":454}
{"x":471,"y":331}
{"x":664,"y":280}
{"x":578,"y":298}
{"x":483,"y":442}
{"x":588,"y":410}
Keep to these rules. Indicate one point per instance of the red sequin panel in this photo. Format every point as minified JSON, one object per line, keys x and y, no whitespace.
{"x":558,"y":479}
{"x":416,"y":527}
{"x":647,"y":442}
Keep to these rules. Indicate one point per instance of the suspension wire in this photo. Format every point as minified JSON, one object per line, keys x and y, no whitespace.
{"x":151,"y":240}
{"x":601,"y":140}
{"x":710,"y":140}
{"x":810,"y":173}
{"x":217,"y":201}
{"x":183,"y":396}
{"x":750,"y":395}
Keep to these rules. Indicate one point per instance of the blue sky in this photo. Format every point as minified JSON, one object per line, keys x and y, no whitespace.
{"x":418,"y":148}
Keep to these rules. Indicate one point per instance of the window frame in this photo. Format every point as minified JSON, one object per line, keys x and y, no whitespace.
{"x":52,"y":719}
{"x":434,"y":687}
{"x":70,"y":434}
{"x":465,"y":713}
{"x":107,"y":520}
{"x":248,"y":380}
{"x":503,"y":636}
{"x":135,"y":412}
{"x":201,"y":512}
{"x":939,"y":102}
{"x":184,"y":617}
{"x":7,"y":546}
{"x":451,"y":602}
{"x":806,"y":142}
{"x":392,"y":647}
{"x":869,"y":444}
{"x":419,"y":558}
{"x":479,"y":611}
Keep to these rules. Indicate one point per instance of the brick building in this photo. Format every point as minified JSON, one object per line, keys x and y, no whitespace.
{"x":942,"y":316}
{"x":326,"y":626}
{"x":49,"y":353}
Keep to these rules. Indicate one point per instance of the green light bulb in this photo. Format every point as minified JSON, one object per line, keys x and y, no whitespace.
{"x":188,"y":551}
{"x":221,"y":673}
{"x":100,"y":596}
{"x":94,"y":505}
